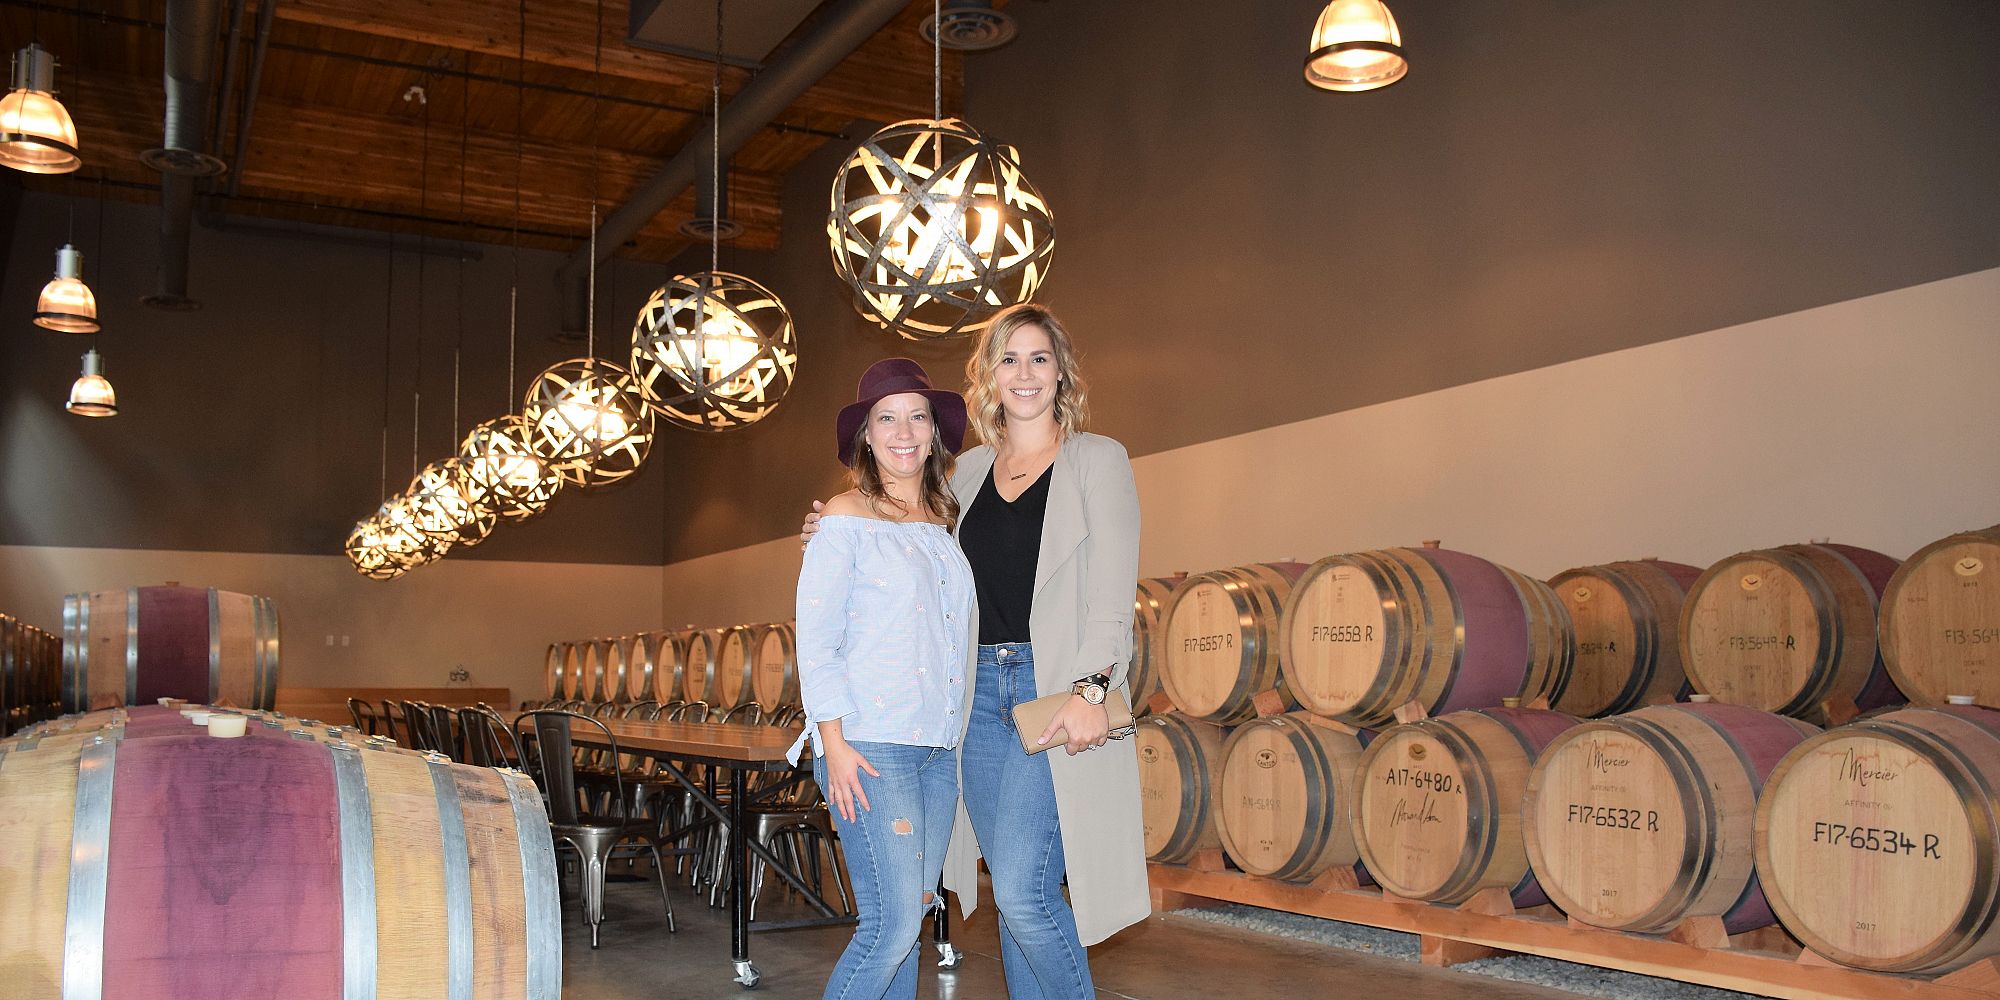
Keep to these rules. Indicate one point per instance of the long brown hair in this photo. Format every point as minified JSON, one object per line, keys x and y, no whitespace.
{"x":982,"y":401}
{"x":867,"y":476}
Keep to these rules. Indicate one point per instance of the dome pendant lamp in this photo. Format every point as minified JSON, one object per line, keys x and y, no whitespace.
{"x":1356,"y":46}
{"x":37,"y":135}
{"x":67,"y":304}
{"x":92,"y":395}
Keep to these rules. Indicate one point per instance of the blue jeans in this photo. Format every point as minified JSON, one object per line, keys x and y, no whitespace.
{"x":1012,"y":804}
{"x":895,"y":853}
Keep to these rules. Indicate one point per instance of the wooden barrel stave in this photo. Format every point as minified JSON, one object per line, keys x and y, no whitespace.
{"x":1551,"y":639}
{"x":1940,"y":620}
{"x":1438,"y":804}
{"x":1180,"y":772}
{"x":1286,"y":792}
{"x":1879,"y":842}
{"x":1627,"y":621}
{"x":1637,"y":822}
{"x":263,"y":896}
{"x":1221,"y":630}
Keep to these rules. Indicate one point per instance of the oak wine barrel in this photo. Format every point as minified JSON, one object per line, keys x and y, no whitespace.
{"x":1149,"y":639}
{"x":1366,"y":632}
{"x":775,"y":682}
{"x":594,"y":655}
{"x":1786,"y":630}
{"x":140,"y":644}
{"x":1940,"y":620}
{"x":1221,"y":651}
{"x":1879,"y":842}
{"x":1637,"y":822}
{"x":736,"y":665}
{"x":1287,"y":794}
{"x":699,"y":681}
{"x":1628,"y":648}
{"x":1180,"y":777}
{"x":1437,"y":811}
{"x":151,"y":856}
{"x":576,"y":685}
{"x":668,"y":652}
{"x":640,"y":667}
{"x":620,"y":680}
{"x":557,"y":666}
{"x":1551,"y":639}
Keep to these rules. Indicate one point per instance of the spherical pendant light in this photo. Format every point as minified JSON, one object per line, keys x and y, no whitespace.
{"x":502,"y":474}
{"x":366,"y":549}
{"x":36,"y":133}
{"x":1355,"y":46}
{"x":713,"y":351}
{"x":936,"y":228}
{"x":67,"y":304}
{"x":437,"y":507}
{"x":91,"y":394}
{"x":587,"y":420}
{"x":402,"y":544}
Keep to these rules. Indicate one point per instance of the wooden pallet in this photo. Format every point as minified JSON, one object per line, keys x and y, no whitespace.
{"x":1767,"y":962}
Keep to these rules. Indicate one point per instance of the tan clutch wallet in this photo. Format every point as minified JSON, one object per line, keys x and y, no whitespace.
{"x":1031,"y":717}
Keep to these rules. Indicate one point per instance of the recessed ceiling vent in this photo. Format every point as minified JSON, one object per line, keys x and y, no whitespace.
{"x":969,"y":26}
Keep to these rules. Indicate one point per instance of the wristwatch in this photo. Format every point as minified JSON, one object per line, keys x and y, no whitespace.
{"x":1092,"y":688}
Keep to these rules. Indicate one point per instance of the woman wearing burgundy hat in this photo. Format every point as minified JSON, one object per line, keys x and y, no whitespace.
{"x":883,"y":602}
{"x":1049,"y":521}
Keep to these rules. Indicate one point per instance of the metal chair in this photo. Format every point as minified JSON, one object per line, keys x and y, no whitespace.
{"x":443,"y":739}
{"x":489,"y":742}
{"x":417,"y":719}
{"x":595,"y":838}
{"x":363,"y":715}
{"x":392,"y":722}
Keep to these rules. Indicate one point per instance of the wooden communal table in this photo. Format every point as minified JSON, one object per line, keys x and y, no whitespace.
{"x":742,"y":750}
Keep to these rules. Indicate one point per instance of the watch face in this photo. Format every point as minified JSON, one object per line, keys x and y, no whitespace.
{"x":1093,"y":693}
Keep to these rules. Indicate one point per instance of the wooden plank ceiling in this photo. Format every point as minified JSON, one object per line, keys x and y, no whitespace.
{"x":333,"y":140}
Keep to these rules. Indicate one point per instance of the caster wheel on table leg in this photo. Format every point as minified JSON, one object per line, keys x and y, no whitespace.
{"x":949,"y":957}
{"x":747,"y":975}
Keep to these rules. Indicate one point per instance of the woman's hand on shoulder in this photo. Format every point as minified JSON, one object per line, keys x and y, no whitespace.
{"x":849,"y":502}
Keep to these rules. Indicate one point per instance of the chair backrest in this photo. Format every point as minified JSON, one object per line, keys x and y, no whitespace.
{"x":392,"y":717}
{"x":749,"y":712}
{"x":489,"y":742}
{"x":417,"y":719}
{"x":637,"y":710}
{"x":363,"y":714}
{"x":694,"y":711}
{"x":604,"y":710}
{"x":443,"y":739}
{"x":554,"y":751}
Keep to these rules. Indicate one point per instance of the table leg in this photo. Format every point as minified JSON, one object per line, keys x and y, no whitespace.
{"x":739,"y":879}
{"x":949,"y":957}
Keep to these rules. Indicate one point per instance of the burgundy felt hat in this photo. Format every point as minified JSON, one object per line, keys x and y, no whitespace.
{"x":887,"y":378}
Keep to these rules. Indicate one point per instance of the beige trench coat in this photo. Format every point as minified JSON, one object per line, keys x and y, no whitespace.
{"x":1080,"y":624}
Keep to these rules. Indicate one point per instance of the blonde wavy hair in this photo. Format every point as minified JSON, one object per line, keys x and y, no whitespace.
{"x":982,"y":393}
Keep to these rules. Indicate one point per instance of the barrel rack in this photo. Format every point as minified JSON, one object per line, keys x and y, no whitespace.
{"x":1765,"y":961}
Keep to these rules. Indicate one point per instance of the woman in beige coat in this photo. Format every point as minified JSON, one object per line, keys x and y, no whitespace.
{"x":1050,"y":523}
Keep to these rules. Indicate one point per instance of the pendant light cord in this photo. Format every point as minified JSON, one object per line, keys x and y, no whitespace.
{"x":937,"y":60}
{"x":423,"y":251}
{"x":715,"y":155}
{"x":388,"y":336}
{"x":98,"y":247}
{"x":514,"y":288}
{"x":596,"y":115}
{"x":464,"y":238}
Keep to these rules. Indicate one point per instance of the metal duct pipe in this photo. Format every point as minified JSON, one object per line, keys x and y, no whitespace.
{"x":248,"y":114}
{"x":845,"y":27}
{"x":191,"y":30}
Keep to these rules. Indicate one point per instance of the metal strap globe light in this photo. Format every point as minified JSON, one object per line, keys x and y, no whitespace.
{"x":587,"y":420}
{"x":502,"y":473}
{"x":713,"y":351}
{"x":437,"y":506}
{"x":936,"y":228}
{"x":367,"y":550}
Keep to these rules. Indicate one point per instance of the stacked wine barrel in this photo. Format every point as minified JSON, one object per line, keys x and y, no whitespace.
{"x":135,"y":646}
{"x":1149,"y":639}
{"x":1940,"y":626}
{"x":726,"y":667}
{"x":30,"y":674}
{"x":150,"y":849}
{"x":1365,"y":633}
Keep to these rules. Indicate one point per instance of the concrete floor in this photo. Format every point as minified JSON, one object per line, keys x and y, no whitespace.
{"x":1165,"y":958}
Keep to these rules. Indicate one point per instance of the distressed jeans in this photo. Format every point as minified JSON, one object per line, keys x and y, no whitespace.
{"x":1011,"y":801}
{"x":895,"y":853}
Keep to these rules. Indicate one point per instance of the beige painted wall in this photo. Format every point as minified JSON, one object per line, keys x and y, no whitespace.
{"x":1874,"y":422}
{"x":494,"y":618}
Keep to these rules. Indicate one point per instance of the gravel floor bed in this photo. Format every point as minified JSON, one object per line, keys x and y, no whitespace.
{"x":1586,"y":980}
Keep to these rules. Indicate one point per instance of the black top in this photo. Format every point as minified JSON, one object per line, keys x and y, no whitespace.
{"x":1003,"y":542}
